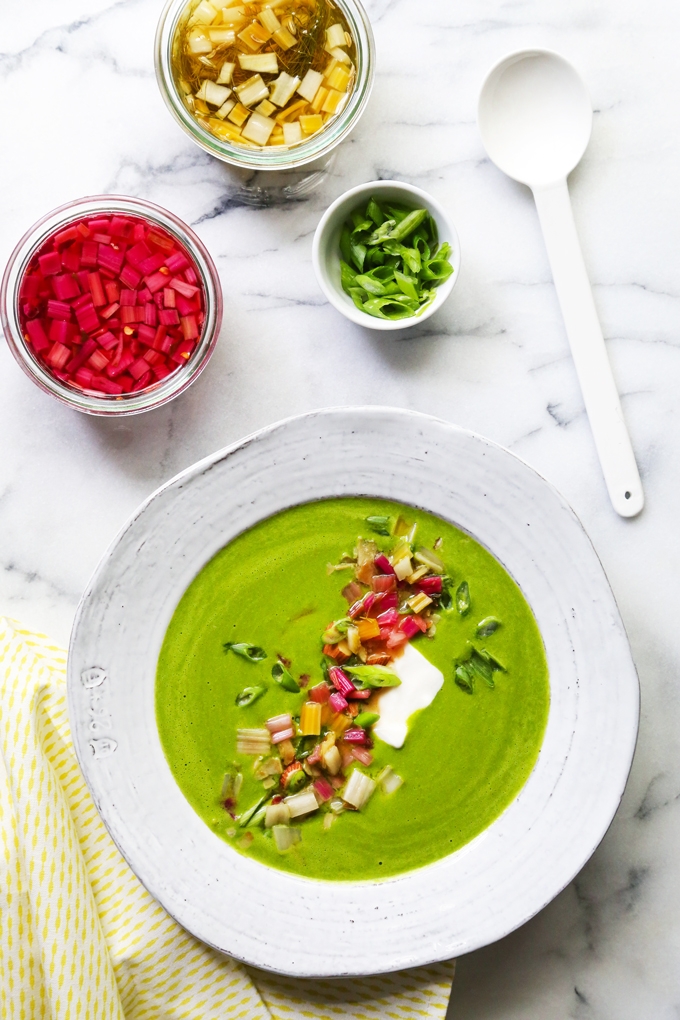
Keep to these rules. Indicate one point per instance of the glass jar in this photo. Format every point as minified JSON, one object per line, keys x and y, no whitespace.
{"x":122,"y":404}
{"x":317,"y":147}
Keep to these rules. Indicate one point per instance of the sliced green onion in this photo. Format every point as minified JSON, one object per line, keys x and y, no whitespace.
{"x":285,"y":679}
{"x":246,"y":651}
{"x":372,"y":676}
{"x":366,"y":719}
{"x":488,"y":626}
{"x":248,"y":695}
{"x":380,"y":525}
{"x":463,"y":598}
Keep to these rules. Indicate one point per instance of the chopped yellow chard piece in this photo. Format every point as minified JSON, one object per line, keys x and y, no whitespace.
{"x":198,"y":42}
{"x":265,"y":63}
{"x":333,"y":101}
{"x":269,"y":20}
{"x":339,"y":723}
{"x":340,"y":56}
{"x":266,"y":108}
{"x":338,"y":78}
{"x":319,"y":99}
{"x":417,"y":574}
{"x":276,"y":137}
{"x":214,"y":94}
{"x":310,"y":85}
{"x":291,"y":112}
{"x":419,"y":602}
{"x":226,"y":109}
{"x":292,"y":133}
{"x":255,"y":36}
{"x":284,"y":38}
{"x":311,"y":123}
{"x":201,"y":106}
{"x":233,"y":16}
{"x":368,"y":629}
{"x":226,"y":72}
{"x":252,"y":91}
{"x":283,"y":88}
{"x":221,"y":36}
{"x":239,"y":115}
{"x":258,"y":129}
{"x":335,"y":36}
{"x":310,"y":719}
{"x":205,"y":13}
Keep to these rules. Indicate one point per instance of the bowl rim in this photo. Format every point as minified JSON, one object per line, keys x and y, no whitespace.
{"x":594,"y":657}
{"x":108,"y":405}
{"x":289,"y":159}
{"x":339,"y":299}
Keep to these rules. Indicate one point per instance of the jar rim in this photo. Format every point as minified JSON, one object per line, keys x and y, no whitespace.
{"x":109,"y":405}
{"x":317,"y":145}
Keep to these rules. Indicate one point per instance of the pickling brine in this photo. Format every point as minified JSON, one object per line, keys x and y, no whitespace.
{"x":267,"y":74}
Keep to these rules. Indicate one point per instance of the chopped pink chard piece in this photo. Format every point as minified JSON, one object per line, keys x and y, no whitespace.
{"x":409,"y":627}
{"x":355,"y":735}
{"x":396,"y":639}
{"x":359,"y":695}
{"x":361,"y":754}
{"x":320,"y":693}
{"x":356,"y":609}
{"x":323,"y":789}
{"x":351,"y":592}
{"x":389,"y":601}
{"x":340,"y":680}
{"x":337,"y":702}
{"x":279,"y":722}
{"x":282,"y":735}
{"x":384,"y":582}
{"x":390,"y":618}
{"x":383,"y":564}
{"x":430,"y":585}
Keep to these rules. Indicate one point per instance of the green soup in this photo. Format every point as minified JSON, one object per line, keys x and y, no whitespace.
{"x":466,"y":756}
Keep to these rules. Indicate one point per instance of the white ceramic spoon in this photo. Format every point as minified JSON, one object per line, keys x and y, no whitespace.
{"x":535,"y":119}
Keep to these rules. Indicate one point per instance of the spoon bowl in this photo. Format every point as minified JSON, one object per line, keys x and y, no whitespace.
{"x":535,"y":117}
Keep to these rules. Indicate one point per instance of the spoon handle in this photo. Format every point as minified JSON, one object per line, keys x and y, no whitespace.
{"x":588,"y":349}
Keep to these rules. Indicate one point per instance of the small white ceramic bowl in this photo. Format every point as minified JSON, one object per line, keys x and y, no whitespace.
{"x":326,"y":248}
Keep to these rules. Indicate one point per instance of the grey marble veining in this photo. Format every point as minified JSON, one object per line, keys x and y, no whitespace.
{"x":81,"y":114}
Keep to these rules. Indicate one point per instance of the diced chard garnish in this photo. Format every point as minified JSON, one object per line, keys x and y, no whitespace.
{"x":418,"y":602}
{"x":252,"y":741}
{"x":368,"y":629}
{"x":356,"y":609}
{"x":276,"y":814}
{"x":328,"y":820}
{"x":409,"y":627}
{"x":389,"y":781}
{"x":303,"y":803}
{"x":359,"y":695}
{"x":331,"y":760}
{"x":353,"y":640}
{"x":417,"y":574}
{"x":285,"y":836}
{"x":286,"y":751}
{"x":383,"y":565}
{"x":402,"y":566}
{"x":340,"y":680}
{"x":248,"y":816}
{"x":323,"y":789}
{"x":339,"y":723}
{"x":337,"y":702}
{"x":390,"y":618}
{"x":384,"y":582}
{"x":355,"y":735}
{"x":285,"y":679}
{"x":389,"y":601}
{"x":352,"y":592}
{"x":431,"y":585}
{"x":396,"y":639}
{"x":310,"y":719}
{"x":430,"y":559}
{"x":231,"y":787}
{"x":359,"y":790}
{"x":248,"y":695}
{"x":277,"y":723}
{"x":245,"y":650}
{"x":362,"y":754}
{"x":283,"y":735}
{"x":320,"y":693}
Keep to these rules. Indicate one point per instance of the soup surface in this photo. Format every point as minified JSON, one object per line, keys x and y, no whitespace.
{"x":465,"y":757}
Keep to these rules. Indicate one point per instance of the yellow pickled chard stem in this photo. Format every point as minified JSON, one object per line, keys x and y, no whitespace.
{"x":310,"y":719}
{"x":419,"y":602}
{"x":368,"y":629}
{"x":340,"y":723}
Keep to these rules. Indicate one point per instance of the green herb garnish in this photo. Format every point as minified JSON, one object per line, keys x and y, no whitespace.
{"x":285,"y":679}
{"x":392,"y":262}
{"x":489,"y":625}
{"x":380,"y":525}
{"x":366,"y":719}
{"x":463,"y":598}
{"x":373,"y":676}
{"x":464,"y":678}
{"x":248,"y":695}
{"x":478,"y":663}
{"x":246,"y":651}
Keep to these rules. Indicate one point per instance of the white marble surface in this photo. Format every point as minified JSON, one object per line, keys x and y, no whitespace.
{"x":81,"y":114}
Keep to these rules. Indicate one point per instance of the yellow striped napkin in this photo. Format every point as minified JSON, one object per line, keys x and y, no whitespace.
{"x":80,"y":937}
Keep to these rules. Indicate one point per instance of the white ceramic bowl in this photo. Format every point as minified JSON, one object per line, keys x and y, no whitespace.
{"x":326,"y":249}
{"x":308,"y":927}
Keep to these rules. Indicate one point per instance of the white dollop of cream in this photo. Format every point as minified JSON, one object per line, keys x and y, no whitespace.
{"x":420,"y":684}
